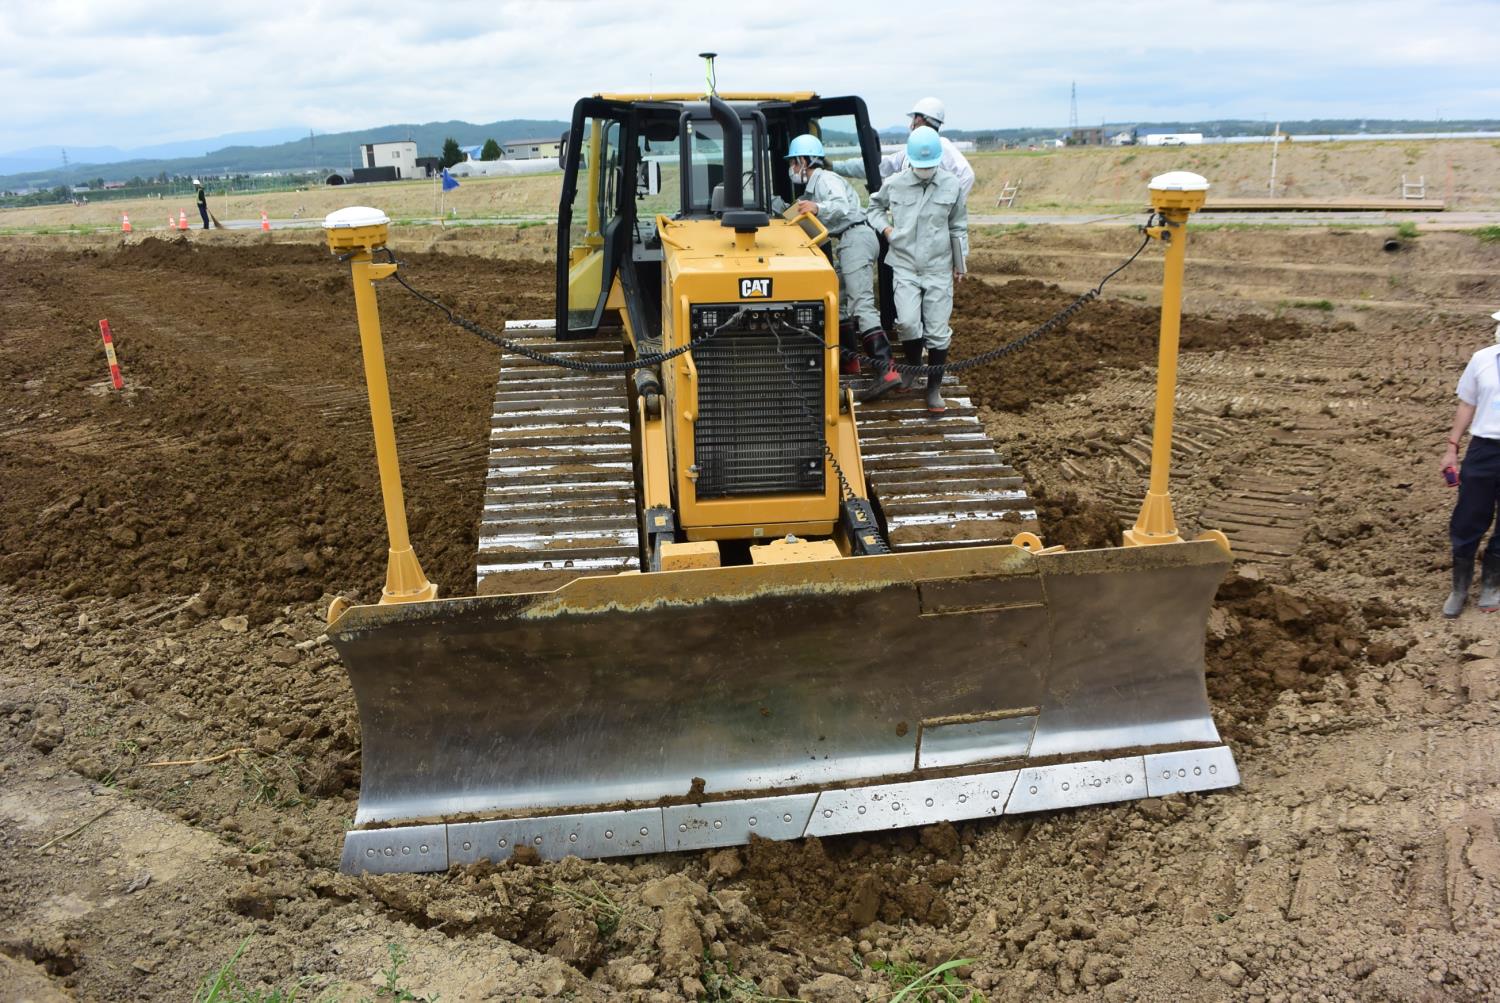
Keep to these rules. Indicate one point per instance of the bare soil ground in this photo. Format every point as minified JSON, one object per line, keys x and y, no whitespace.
{"x":179,"y":750}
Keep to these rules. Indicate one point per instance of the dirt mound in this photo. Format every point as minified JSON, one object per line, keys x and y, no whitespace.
{"x":1077,"y":523}
{"x":238,"y":461}
{"x":1267,"y":640}
{"x":1107,"y":333}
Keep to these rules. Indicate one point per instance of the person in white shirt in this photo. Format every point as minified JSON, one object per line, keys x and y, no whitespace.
{"x":927,"y":112}
{"x":1478,"y":482}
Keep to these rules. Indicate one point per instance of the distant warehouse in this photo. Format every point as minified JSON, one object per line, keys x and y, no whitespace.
{"x":531,"y":149}
{"x":388,"y":162}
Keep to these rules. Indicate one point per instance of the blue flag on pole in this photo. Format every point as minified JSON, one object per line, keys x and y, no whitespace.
{"x":449,"y":181}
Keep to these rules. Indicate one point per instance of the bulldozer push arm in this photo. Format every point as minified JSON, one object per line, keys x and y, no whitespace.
{"x":805,"y":691}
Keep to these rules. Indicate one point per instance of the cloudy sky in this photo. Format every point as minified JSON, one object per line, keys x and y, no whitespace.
{"x":137,"y":72}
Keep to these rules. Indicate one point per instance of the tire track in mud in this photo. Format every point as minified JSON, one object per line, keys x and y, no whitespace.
{"x":422,"y":443}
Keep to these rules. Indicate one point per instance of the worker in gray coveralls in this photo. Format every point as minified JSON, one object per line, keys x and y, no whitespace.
{"x":921,"y":211}
{"x":831,"y":199}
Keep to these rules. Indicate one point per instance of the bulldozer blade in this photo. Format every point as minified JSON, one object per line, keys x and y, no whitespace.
{"x":634,"y":714}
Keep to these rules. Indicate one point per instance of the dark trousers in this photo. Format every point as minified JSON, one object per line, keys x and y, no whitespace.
{"x":1478,"y":494}
{"x":203,"y":211}
{"x":887,"y":290}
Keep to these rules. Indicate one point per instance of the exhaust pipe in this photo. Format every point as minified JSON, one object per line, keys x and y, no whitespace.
{"x":735,"y":214}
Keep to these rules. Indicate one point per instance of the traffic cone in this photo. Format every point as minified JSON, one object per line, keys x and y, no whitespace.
{"x":171,"y":223}
{"x":181,"y":219}
{"x":265,"y":224}
{"x":125,"y":222}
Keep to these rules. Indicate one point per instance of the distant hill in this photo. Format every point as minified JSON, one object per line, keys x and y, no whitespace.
{"x":339,"y":150}
{"x":328,"y":150}
{"x":44,"y":158}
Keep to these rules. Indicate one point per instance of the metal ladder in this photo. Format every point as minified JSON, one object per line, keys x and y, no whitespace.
{"x":1414,"y":189}
{"x":1008,"y":194}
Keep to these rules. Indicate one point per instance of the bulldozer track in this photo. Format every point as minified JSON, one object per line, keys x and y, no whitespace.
{"x":559,"y":491}
{"x":940,"y":482}
{"x":560,"y":483}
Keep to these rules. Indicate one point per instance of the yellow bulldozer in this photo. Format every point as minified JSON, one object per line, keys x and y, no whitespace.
{"x":716,"y":597}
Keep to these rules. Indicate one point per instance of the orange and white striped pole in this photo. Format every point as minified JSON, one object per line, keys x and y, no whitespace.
{"x":109,"y":353}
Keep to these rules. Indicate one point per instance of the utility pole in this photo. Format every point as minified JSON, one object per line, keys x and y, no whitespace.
{"x":1275,"y":146}
{"x":313,"y":142}
{"x":1073,"y":110}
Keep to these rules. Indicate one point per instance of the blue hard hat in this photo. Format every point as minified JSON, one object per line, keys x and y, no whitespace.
{"x":923,"y":148}
{"x":805,"y":145}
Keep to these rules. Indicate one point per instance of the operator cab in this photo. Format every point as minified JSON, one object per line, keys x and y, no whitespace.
{"x":628,"y":159}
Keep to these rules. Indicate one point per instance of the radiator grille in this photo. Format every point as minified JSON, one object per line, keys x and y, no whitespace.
{"x":751,"y":435}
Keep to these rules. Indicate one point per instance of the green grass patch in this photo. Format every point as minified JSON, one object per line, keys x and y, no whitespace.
{"x":722,"y":984}
{"x":607,"y":914}
{"x":70,"y":230}
{"x":1486,"y":234}
{"x":912,"y":983}
{"x":1407,"y":231}
{"x":1243,"y":227}
{"x":224,"y":986}
{"x":393,"y":988}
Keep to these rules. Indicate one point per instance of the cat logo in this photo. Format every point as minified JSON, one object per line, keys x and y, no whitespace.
{"x":755,"y":289}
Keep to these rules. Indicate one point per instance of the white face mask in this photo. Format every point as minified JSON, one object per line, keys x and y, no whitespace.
{"x":797,"y":176}
{"x":924,"y":173}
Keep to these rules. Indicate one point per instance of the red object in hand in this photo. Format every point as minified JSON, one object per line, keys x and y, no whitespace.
{"x":1450,"y":474}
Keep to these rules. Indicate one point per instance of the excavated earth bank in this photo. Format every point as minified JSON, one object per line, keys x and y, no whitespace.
{"x":179,"y":750}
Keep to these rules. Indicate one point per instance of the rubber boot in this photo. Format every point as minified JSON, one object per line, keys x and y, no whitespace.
{"x":913,"y":357}
{"x":1489,"y":583}
{"x":1463,"y":577}
{"x":848,"y":344}
{"x":935,"y":358}
{"x":885,"y":379}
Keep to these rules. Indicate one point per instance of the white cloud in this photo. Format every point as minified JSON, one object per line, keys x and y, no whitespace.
{"x":134,"y":72}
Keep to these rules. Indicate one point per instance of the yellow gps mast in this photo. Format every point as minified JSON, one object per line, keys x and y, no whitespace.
{"x":354,"y":234}
{"x":1175,"y":196}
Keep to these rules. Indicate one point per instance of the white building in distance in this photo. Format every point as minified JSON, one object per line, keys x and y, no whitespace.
{"x":402,"y":156}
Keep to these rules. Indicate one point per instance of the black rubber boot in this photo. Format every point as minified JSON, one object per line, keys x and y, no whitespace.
{"x":848,"y":344}
{"x":885,"y":379}
{"x":1489,"y":583}
{"x":936,"y":357}
{"x":1463,"y":577}
{"x":912,"y":350}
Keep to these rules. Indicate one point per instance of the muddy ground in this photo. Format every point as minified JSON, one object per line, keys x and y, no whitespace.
{"x":180,"y":750}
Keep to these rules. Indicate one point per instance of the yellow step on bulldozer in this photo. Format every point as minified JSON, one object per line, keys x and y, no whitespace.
{"x":717,"y":598}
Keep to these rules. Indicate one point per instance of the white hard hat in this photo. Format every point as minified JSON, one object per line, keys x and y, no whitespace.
{"x":1495,"y":315}
{"x":197,"y":182}
{"x":931,"y":109}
